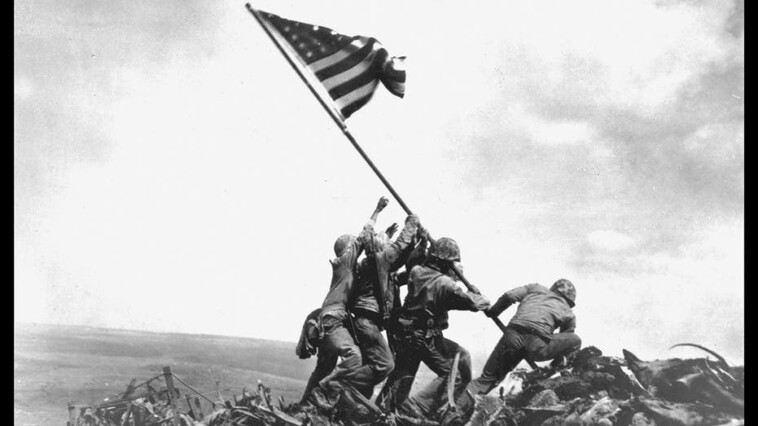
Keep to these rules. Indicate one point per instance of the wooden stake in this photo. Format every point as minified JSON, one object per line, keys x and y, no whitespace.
{"x":125,"y":421}
{"x":171,"y":394}
{"x":191,"y":409}
{"x":198,"y":408}
{"x":71,"y":414}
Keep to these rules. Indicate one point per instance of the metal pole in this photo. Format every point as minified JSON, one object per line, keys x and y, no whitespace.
{"x":338,"y":120}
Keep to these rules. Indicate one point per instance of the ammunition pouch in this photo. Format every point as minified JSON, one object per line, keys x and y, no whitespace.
{"x":419,"y":326}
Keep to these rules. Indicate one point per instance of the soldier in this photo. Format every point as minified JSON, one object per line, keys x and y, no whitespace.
{"x":374,"y":297}
{"x":323,"y":387}
{"x":432,"y":292}
{"x":529,"y":334}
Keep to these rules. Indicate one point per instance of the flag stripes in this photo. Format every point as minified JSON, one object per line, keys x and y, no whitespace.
{"x":349,"y":68}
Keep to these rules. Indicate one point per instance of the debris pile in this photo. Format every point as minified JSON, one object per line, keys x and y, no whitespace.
{"x":589,"y":389}
{"x":600,"y":390}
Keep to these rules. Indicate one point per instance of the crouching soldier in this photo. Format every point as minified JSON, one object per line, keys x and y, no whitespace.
{"x":338,"y":341}
{"x":417,"y":334}
{"x":374,"y":297}
{"x":529,"y":335}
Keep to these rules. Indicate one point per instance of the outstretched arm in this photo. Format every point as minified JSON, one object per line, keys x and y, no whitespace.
{"x":453,"y":297}
{"x":398,"y":249}
{"x":509,"y":298}
{"x":380,"y":205}
{"x":368,"y":228}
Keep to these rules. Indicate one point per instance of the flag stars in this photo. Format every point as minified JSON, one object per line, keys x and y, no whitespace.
{"x":315,"y":28}
{"x":286,"y":29}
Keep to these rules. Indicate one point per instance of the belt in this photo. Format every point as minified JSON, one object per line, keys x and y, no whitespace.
{"x":408,"y":325}
{"x":528,"y":330}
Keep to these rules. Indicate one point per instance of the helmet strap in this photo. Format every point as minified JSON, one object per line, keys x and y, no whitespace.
{"x":440,"y":265}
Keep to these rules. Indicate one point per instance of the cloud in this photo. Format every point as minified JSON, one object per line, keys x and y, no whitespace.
{"x":608,"y":240}
{"x":636,"y":131}
{"x":600,"y":141}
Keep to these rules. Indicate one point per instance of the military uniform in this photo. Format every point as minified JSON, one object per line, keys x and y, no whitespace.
{"x":529,"y":334}
{"x":373,"y":302}
{"x":338,"y":342}
{"x":417,"y":335}
{"x":310,"y":343}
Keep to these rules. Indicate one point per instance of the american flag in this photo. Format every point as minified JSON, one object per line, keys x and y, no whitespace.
{"x":349,"y":68}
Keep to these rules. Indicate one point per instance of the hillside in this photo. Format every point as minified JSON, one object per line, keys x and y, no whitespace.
{"x":57,"y":364}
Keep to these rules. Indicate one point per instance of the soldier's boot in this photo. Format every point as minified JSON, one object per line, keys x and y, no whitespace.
{"x":324,"y":397}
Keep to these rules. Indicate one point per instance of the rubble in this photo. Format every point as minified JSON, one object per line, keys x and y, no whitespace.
{"x":592,"y":389}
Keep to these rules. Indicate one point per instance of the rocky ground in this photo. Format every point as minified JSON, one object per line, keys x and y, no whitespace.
{"x":589,"y":389}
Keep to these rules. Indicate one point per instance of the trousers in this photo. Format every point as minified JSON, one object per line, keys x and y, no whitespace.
{"x":376,"y":352}
{"x":513,"y":347}
{"x":438,"y":354}
{"x":338,"y":343}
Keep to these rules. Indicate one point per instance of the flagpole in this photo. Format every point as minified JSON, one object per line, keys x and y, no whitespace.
{"x":341,"y":124}
{"x":332,"y":113}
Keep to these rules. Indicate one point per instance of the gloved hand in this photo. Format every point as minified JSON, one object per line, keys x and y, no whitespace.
{"x":492,"y":313}
{"x":422,"y":232}
{"x":391,"y":230}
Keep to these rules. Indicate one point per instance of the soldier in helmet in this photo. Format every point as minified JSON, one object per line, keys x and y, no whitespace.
{"x":338,"y":342}
{"x":529,"y":334}
{"x":373,"y":298}
{"x":417,"y":334}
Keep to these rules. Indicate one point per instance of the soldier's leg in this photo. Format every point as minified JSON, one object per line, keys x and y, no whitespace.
{"x":325,"y":363}
{"x":560,"y":344}
{"x":337,"y":337}
{"x":439,"y":358}
{"x":376,"y":352}
{"x":400,"y":380}
{"x":508,"y":352}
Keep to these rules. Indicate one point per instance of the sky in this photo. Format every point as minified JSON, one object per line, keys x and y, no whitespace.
{"x":172,"y":173}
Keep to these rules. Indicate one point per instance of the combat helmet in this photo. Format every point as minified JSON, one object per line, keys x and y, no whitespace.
{"x":566,"y":289}
{"x":446,"y":249}
{"x":341,"y":244}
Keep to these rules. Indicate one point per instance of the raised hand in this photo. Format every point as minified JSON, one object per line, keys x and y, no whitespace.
{"x":391,"y":230}
{"x":383,"y":201}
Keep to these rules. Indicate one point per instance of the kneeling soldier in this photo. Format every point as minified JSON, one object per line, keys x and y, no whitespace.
{"x":529,"y":335}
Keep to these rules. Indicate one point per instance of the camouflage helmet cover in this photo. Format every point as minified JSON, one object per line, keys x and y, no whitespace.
{"x":446,"y":249}
{"x":341,"y":244}
{"x":566,"y":289}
